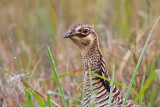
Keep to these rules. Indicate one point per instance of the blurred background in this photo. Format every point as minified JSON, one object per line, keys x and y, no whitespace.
{"x":122,"y":26}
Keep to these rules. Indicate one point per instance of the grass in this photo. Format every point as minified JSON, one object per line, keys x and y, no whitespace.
{"x":120,"y":25}
{"x":28,"y":95}
{"x":48,"y":99}
{"x":110,"y":94}
{"x":114,"y":82}
{"x":83,"y":92}
{"x":56,"y":76}
{"x":141,"y":98}
{"x":138,"y":64}
{"x":90,"y":80}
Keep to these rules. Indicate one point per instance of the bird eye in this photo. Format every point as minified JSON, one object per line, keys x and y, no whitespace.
{"x":85,"y":31}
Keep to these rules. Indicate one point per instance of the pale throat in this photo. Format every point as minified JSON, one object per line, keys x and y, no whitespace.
{"x":92,"y":58}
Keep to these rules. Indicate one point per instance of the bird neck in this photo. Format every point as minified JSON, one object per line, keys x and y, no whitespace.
{"x":92,"y":58}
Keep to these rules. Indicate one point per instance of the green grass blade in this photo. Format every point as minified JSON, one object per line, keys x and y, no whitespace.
{"x":141,"y":97}
{"x":38,"y":98}
{"x":114,"y":82}
{"x":90,"y":80}
{"x":146,"y":85}
{"x":138,"y":64}
{"x":84,"y":86}
{"x":110,"y":94}
{"x":75,"y":99}
{"x":52,"y":102}
{"x":28,"y":96}
{"x":15,"y":56}
{"x":56,"y":76}
{"x":91,"y":88}
{"x":49,"y":99}
{"x":60,"y":76}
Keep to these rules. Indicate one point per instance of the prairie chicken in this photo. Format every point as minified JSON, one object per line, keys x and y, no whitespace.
{"x":84,"y":36}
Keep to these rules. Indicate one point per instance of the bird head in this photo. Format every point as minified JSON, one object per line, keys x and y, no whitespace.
{"x":82,"y":35}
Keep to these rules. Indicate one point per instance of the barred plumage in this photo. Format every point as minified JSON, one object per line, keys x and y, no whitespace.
{"x":85,"y":37}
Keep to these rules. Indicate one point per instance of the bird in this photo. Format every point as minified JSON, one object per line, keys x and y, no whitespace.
{"x":85,"y":37}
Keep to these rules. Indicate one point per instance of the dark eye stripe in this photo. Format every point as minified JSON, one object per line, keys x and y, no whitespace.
{"x":82,"y":35}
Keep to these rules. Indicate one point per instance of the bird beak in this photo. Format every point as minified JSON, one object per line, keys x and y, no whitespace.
{"x":68,"y":35}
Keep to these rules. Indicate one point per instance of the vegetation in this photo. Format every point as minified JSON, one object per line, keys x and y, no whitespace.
{"x":39,"y":68}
